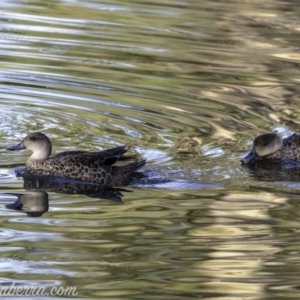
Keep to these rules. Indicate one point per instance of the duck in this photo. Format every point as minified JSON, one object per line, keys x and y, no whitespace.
{"x":272,"y":146}
{"x":96,"y":167}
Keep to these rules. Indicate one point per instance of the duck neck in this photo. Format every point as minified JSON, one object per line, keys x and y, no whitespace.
{"x":41,"y":154}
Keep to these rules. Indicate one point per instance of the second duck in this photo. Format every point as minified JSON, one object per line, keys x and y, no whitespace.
{"x":272,"y":146}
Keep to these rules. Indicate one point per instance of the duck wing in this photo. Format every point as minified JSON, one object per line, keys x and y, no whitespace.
{"x":100,"y":158}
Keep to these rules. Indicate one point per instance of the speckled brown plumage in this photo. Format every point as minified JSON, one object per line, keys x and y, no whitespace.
{"x":290,"y":149}
{"x":95,"y":167}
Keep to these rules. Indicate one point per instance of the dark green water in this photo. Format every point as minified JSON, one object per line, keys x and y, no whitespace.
{"x":187,"y":86}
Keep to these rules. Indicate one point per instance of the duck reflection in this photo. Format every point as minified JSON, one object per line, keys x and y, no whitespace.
{"x":66,"y":186}
{"x":34,"y":204}
{"x":36,"y":201}
{"x":279,"y":170}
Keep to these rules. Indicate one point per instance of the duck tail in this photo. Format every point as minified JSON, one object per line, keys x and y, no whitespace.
{"x":129,"y":168}
{"x":122,"y":174}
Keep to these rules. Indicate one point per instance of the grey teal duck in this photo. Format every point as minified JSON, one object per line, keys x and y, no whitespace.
{"x":272,"y":146}
{"x":97,"y":167}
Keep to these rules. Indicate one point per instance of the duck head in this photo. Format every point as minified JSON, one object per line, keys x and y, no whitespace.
{"x":263,"y":145}
{"x":38,"y":143}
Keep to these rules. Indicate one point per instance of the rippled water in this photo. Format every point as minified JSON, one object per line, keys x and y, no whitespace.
{"x":187,"y":86}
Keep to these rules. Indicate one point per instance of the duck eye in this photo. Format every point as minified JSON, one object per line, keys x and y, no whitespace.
{"x":33,"y":138}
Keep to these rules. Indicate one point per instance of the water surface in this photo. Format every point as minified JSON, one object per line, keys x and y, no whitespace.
{"x":187,"y":86}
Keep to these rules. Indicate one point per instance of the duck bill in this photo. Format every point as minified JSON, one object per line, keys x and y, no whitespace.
{"x":20,"y":146}
{"x":252,"y":155}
